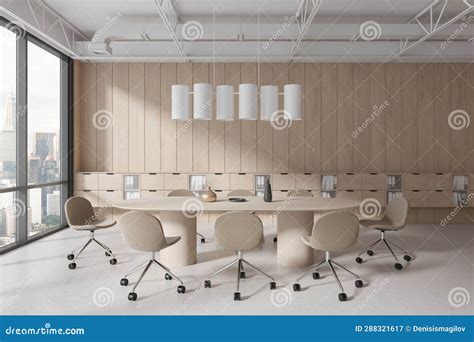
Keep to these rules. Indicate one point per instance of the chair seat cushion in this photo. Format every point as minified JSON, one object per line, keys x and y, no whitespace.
{"x":383,"y":223}
{"x":170,"y":241}
{"x":95,"y":225}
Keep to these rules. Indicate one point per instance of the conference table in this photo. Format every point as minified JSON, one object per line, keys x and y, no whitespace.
{"x":294,"y":216}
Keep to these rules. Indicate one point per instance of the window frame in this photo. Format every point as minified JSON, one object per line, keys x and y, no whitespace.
{"x":66,"y":136}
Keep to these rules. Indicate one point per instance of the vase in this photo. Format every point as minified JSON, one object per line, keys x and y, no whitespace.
{"x":208,"y":195}
{"x":267,"y":195}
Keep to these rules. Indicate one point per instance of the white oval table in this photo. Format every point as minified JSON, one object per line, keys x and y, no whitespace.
{"x":295,"y":217}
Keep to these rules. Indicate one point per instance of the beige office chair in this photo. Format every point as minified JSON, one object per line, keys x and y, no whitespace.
{"x":240,"y":192}
{"x":81,"y":216}
{"x":186,"y":193}
{"x":332,"y":232}
{"x":143,"y":232}
{"x":239,"y":232}
{"x":393,"y":219}
{"x":294,"y":194}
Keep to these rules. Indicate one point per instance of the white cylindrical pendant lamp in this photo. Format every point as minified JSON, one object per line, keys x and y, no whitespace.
{"x":292,"y":94}
{"x":268,"y":101}
{"x":202,"y":101}
{"x":225,"y":102}
{"x":180,"y":103}
{"x":248,"y":101}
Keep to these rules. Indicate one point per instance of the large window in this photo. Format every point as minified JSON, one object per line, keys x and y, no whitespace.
{"x":34,"y":126}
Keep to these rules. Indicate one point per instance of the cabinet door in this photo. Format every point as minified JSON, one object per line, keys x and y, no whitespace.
{"x":379,"y":195}
{"x":174,"y":181}
{"x":416,"y":199}
{"x":346,"y":181}
{"x":354,"y":195}
{"x":86,"y":181}
{"x":110,"y":181}
{"x":152,"y":181}
{"x":439,"y":199}
{"x":373,"y":181}
{"x":91,"y":195}
{"x":282,"y":181}
{"x":439,"y":181}
{"x":308,"y":181}
{"x":218,"y":181}
{"x":108,"y":198}
{"x":242,"y":181}
{"x":415,"y":182}
{"x":151,"y":194}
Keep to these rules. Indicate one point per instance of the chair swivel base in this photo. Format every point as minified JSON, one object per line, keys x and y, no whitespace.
{"x":407,"y":257}
{"x":240,"y":274}
{"x":168,"y":276}
{"x":316,"y":267}
{"x":73,"y":256}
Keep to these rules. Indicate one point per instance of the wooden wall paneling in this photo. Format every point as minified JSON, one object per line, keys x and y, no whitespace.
{"x":136,"y":115}
{"x":168,"y":126}
{"x":77,"y":115}
{"x":377,"y":126}
{"x":409,"y":117}
{"x":152,"y":117}
{"x":470,"y":110}
{"x":425,"y":215}
{"x":457,"y":101}
{"x":232,"y":128}
{"x":441,"y":157}
{"x":120,"y":110}
{"x":297,"y":128}
{"x":88,"y":140}
{"x":184,"y":129}
{"x":393,"y":118}
{"x":345,"y":116}
{"x":281,"y":136}
{"x":312,"y":102}
{"x":105,"y":104}
{"x":248,"y":128}
{"x":329,"y":136}
{"x":216,"y":128}
{"x":361,"y":136}
{"x":264,"y":128}
{"x":425,"y":118}
{"x":200,"y":155}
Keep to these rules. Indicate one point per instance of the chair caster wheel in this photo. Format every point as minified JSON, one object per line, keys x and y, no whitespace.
{"x":108,"y":254}
{"x":236,"y":295}
{"x":359,"y":260}
{"x":113,"y":261}
{"x":273,"y":285}
{"x":242,"y":275}
{"x":132,"y":296}
{"x":370,"y":252}
{"x":207,"y":284}
{"x":124,"y":281}
{"x":181,"y":289}
{"x":359,"y":283}
{"x":407,"y":257}
{"x":203,"y":240}
{"x":275,"y":239}
{"x":296,"y":287}
{"x":70,"y":256}
{"x":398,"y":266}
{"x":72,"y":265}
{"x":168,"y":277}
{"x":316,"y":275}
{"x":342,"y":297}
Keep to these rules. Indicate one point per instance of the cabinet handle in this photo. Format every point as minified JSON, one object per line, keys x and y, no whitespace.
{"x":152,"y":173}
{"x":175,"y":173}
{"x":241,"y":173}
{"x":307,"y":173}
{"x":109,"y":173}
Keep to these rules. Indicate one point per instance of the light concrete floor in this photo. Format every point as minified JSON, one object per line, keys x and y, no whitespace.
{"x":35,"y":279}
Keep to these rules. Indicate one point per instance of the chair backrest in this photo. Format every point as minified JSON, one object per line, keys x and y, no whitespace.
{"x":299,"y":193}
{"x":397,"y":211}
{"x":240,"y":192}
{"x":79,"y":212}
{"x":335,"y":231}
{"x":181,"y":193}
{"x":142,"y":231}
{"x":239,"y":231}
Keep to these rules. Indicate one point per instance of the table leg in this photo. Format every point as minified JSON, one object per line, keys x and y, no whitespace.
{"x":291,"y":225}
{"x":184,"y":252}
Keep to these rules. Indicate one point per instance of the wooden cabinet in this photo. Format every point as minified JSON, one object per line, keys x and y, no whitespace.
{"x":416,"y":199}
{"x":415,"y":182}
{"x":308,"y":181}
{"x":218,"y":181}
{"x":109,"y":197}
{"x":242,"y":181}
{"x":281,"y":181}
{"x":86,"y":181}
{"x":174,"y":181}
{"x":110,"y":181}
{"x":349,"y":181}
{"x":354,"y":195}
{"x":151,"y":194}
{"x":378,"y":195}
{"x":91,"y":195}
{"x":152,"y":181}
{"x":439,"y":199}
{"x":439,"y":181}
{"x":373,"y":181}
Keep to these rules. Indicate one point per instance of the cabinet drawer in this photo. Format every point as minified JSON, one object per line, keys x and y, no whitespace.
{"x":351,"y":195}
{"x":86,"y":181}
{"x":279,"y":194}
{"x":108,"y":198}
{"x":439,"y":199}
{"x":415,"y":182}
{"x":149,"y":181}
{"x":439,"y":182}
{"x":219,"y":182}
{"x":346,"y":181}
{"x":110,"y":181}
{"x":92,"y":196}
{"x":151,"y":194}
{"x":308,"y":181}
{"x":416,"y":198}
{"x":373,"y":181}
{"x":175,"y":181}
{"x":242,"y":181}
{"x":283,"y":181}
{"x":378,"y":195}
